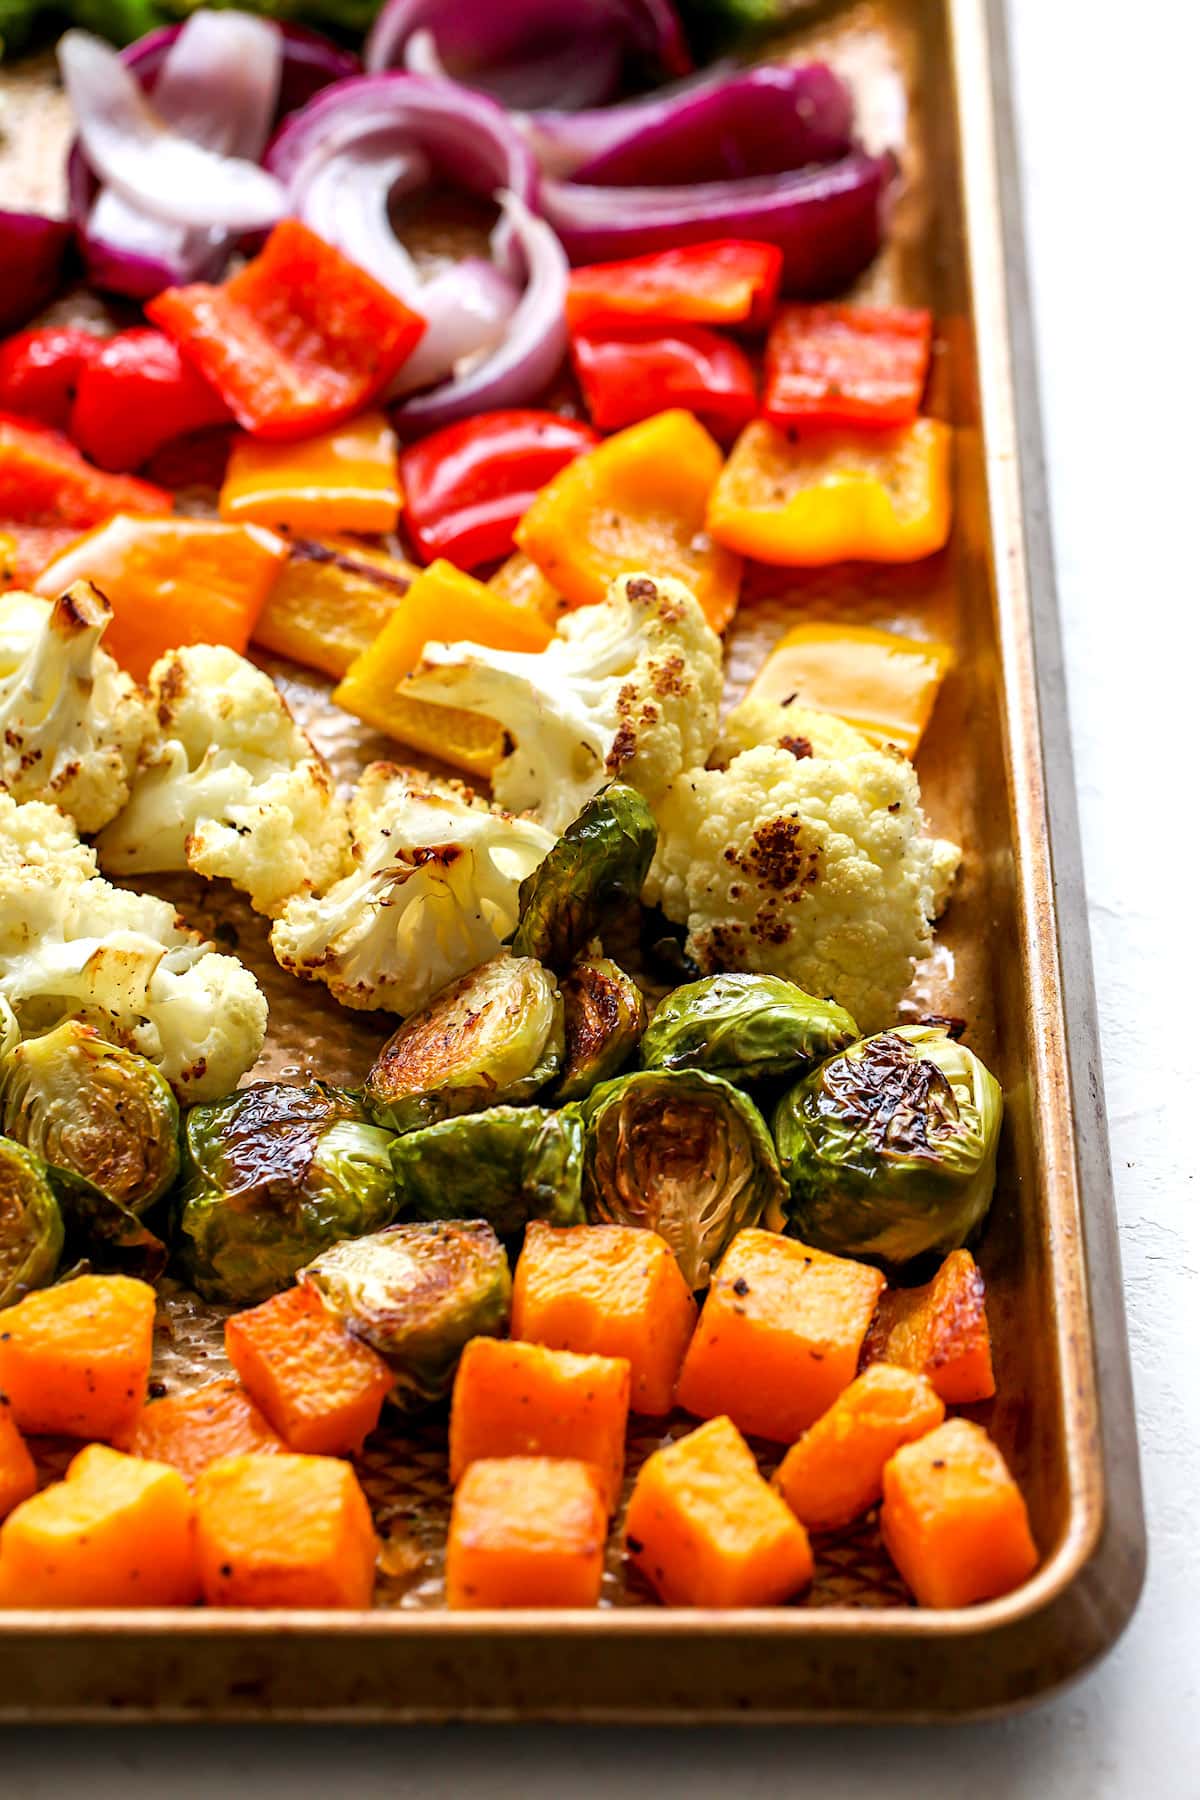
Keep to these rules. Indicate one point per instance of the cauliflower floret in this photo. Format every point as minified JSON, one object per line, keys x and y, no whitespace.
{"x":813,"y":868}
{"x":434,"y":893}
{"x":786,"y":726}
{"x":233,"y":787}
{"x":945,"y":860}
{"x":71,"y":721}
{"x":628,"y":688}
{"x":32,"y":833}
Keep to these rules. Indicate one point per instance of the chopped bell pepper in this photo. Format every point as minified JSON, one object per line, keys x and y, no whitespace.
{"x":727,"y":281}
{"x":8,"y":560}
{"x":171,"y":582}
{"x":630,"y":372}
{"x":298,"y":340}
{"x":635,"y":502}
{"x":465,"y":487}
{"x":519,"y":581}
{"x":883,"y":684}
{"x":40,"y":370}
{"x":344,"y":479}
{"x":847,"y":365}
{"x":804,"y":500}
{"x":49,"y":494}
{"x":330,"y":603}
{"x":138,"y":394}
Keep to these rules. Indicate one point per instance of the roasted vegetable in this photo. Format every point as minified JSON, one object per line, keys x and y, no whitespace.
{"x":526,"y":1531}
{"x":75,"y":1358}
{"x":595,"y":870}
{"x":604,"y":1017}
{"x":318,"y":1386}
{"x":18,"y":1475}
{"x":940,"y":1331}
{"x":745,"y":1027}
{"x":31,"y":1227}
{"x":684,"y":1153}
{"x":284,"y":1531}
{"x":835,"y":1472}
{"x":417,"y":1294}
{"x":507,"y":1165}
{"x":191,"y":1429}
{"x":889,"y":1149}
{"x":273,"y":1174}
{"x":495,"y":1035}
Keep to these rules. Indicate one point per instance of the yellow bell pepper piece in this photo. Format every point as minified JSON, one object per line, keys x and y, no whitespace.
{"x":8,"y":560}
{"x":806,"y":499}
{"x":637,"y":501}
{"x":331,"y":601}
{"x":522,"y":583}
{"x":345,"y":479}
{"x":883,"y":684}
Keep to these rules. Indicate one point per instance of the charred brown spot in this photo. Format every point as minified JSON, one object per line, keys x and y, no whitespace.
{"x":444,"y":856}
{"x":670,"y":677}
{"x":777,"y":855}
{"x":800,"y":747}
{"x":170,"y":686}
{"x":642,"y":588}
{"x":624,"y":748}
{"x":900,"y":1101}
{"x":306,"y":550}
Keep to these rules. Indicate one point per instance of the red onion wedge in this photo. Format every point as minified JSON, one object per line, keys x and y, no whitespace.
{"x":32,"y":249}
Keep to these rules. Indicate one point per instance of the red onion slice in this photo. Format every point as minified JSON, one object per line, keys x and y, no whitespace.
{"x":575,"y":80}
{"x":32,"y":248}
{"x":469,"y":308}
{"x":344,"y":199}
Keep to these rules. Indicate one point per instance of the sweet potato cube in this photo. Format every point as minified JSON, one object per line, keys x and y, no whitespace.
{"x":706,"y":1529}
{"x":191,"y":1430}
{"x":779,"y":1335}
{"x":609,"y":1290}
{"x":75,"y":1359}
{"x":514,"y":1399}
{"x":835,"y":1472}
{"x":321,"y":1389}
{"x":18,"y":1477}
{"x":526,"y":1531}
{"x":940,"y":1330}
{"x":284,"y":1531}
{"x":954,"y":1522}
{"x":117,"y":1531}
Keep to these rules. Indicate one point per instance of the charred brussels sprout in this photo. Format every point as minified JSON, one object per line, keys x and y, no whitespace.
{"x":417,"y":1294}
{"x":273,"y":1174}
{"x":495,"y":1035}
{"x":31,"y":1228}
{"x":684,"y":1153}
{"x":890,"y":1148}
{"x":507,"y":1165}
{"x":10,"y":1031}
{"x":605,"y":1016}
{"x":598,"y":866}
{"x":745,"y":1027}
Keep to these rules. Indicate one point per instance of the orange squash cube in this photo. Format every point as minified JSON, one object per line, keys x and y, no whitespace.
{"x":321,"y":1388}
{"x":75,"y":1359}
{"x":285,"y":1530}
{"x":779,"y":1335}
{"x":835,"y":1472}
{"x":940,"y":1330}
{"x":953,"y":1519}
{"x":191,"y":1430}
{"x":513,"y":1399}
{"x":707,"y":1530}
{"x":526,"y":1531}
{"x":18,"y":1477}
{"x":608,"y":1290}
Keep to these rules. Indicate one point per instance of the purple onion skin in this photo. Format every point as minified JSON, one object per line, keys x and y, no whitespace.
{"x":32,"y":252}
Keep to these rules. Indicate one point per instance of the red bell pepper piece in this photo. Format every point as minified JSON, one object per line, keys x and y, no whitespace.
{"x":847,"y":365}
{"x":49,"y":494}
{"x":466,"y":486}
{"x":631,"y":372}
{"x":40,"y":371}
{"x":729,"y":281}
{"x":298,"y":340}
{"x":137,"y":395}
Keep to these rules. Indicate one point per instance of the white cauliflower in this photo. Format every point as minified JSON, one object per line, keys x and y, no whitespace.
{"x":232,"y":788}
{"x":628,"y":688}
{"x":71,"y":721}
{"x":785,"y":726}
{"x":814,"y":868}
{"x":433,"y":894}
{"x":72,"y":946}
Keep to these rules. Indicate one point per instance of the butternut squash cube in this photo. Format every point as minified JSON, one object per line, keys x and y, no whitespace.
{"x":835,"y":1472}
{"x":18,"y":1477}
{"x":280,"y":1531}
{"x":954,"y":1521}
{"x":75,"y":1359}
{"x":191,"y":1430}
{"x":940,"y":1330}
{"x":526,"y":1531}
{"x":321,"y":1388}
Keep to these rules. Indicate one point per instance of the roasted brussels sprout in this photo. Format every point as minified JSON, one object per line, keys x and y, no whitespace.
{"x":10,"y":1031}
{"x":684,"y":1153}
{"x":507,"y":1165}
{"x":745,"y":1027}
{"x":31,"y":1227}
{"x":598,"y":865}
{"x":495,"y":1035}
{"x":273,"y":1174}
{"x":889,"y":1149}
{"x":417,"y":1294}
{"x":604,"y":1016}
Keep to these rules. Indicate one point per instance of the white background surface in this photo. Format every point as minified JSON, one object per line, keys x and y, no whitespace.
{"x":1108,"y":151}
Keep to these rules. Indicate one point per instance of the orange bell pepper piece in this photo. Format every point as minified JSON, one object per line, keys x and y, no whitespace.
{"x":804,"y":500}
{"x":331,"y":602}
{"x":344,"y":479}
{"x":883,"y":684}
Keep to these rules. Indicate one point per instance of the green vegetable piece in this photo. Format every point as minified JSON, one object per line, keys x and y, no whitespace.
{"x":508,"y":1165}
{"x":417,"y":1294}
{"x":745,"y":1027}
{"x":687,"y":1155}
{"x":272,"y":1175}
{"x":31,"y":1227}
{"x":889,"y":1149}
{"x":494,"y":1035}
{"x":605,"y":1015}
{"x":597,"y":867}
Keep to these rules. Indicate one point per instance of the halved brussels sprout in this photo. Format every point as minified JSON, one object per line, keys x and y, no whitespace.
{"x":494,"y":1035}
{"x":417,"y":1294}
{"x":598,"y":866}
{"x":31,"y":1227}
{"x":890,"y":1148}
{"x":273,"y":1174}
{"x":507,"y":1165}
{"x":10,"y":1031}
{"x":684,"y":1153}
{"x":745,"y":1027}
{"x":604,"y":1016}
